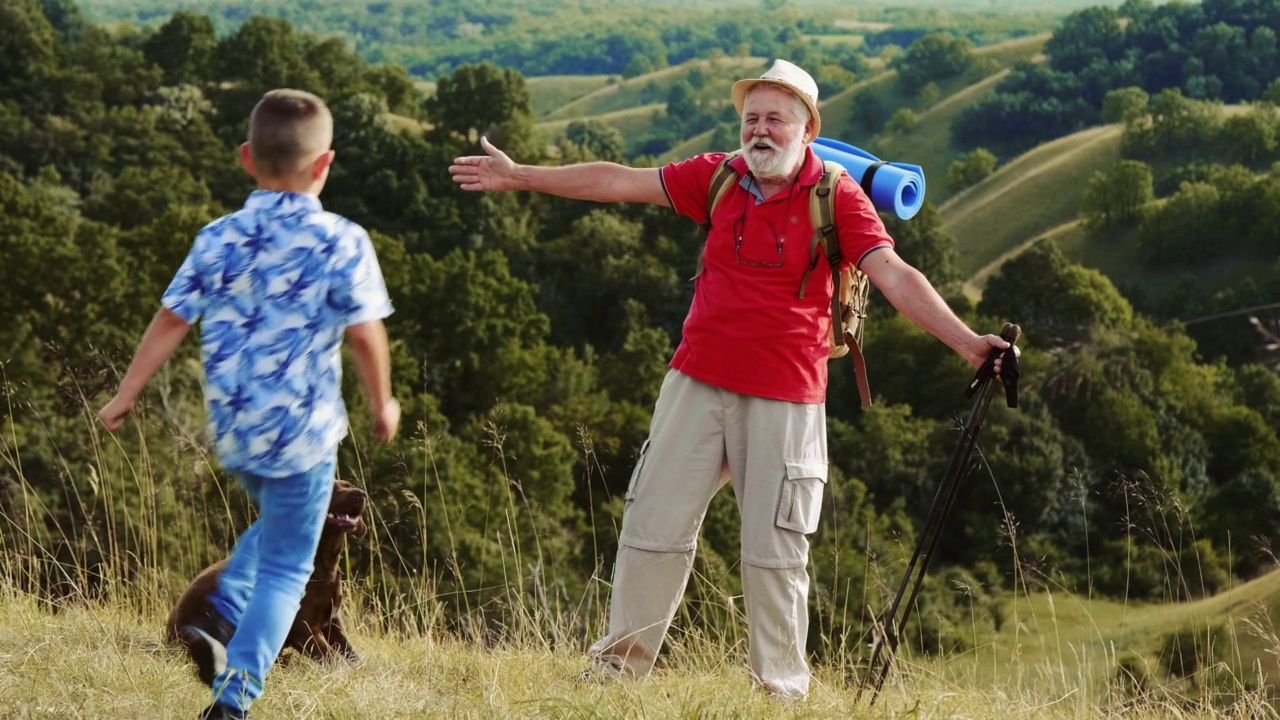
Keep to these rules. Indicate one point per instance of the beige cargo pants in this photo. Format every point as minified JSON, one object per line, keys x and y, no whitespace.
{"x":775,"y":454}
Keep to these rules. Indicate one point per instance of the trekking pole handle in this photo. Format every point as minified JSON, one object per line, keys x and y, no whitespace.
{"x":1009,"y":370}
{"x":1010,"y":333}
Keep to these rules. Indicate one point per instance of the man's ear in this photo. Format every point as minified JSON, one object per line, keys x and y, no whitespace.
{"x":246,"y":159}
{"x":321,"y":165}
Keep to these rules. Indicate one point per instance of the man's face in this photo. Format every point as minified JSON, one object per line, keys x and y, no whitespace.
{"x":772,"y":133}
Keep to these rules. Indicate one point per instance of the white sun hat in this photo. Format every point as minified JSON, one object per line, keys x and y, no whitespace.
{"x":788,"y":77}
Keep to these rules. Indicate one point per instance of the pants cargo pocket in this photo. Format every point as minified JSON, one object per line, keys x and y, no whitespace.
{"x":800,"y":503}
{"x":633,"y":484}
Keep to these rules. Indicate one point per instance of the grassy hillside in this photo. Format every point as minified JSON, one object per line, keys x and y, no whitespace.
{"x":928,"y":144}
{"x":1054,"y":658}
{"x":553,"y":92}
{"x":630,"y":122}
{"x":1120,"y":262}
{"x":647,"y":88}
{"x":1034,"y":193}
{"x":1073,"y":642}
{"x":837,"y":111}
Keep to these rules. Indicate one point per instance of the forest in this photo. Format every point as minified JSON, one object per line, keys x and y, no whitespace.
{"x":531,"y":334}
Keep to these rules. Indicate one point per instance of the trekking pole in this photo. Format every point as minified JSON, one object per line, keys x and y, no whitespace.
{"x":888,"y":634}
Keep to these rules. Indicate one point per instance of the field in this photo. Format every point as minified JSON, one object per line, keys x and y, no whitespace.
{"x":1057,"y":658}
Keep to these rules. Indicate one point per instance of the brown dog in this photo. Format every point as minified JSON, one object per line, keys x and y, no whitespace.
{"x":317,"y":629}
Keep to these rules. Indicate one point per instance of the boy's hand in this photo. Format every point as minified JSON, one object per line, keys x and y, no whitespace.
{"x":387,"y":420}
{"x":113,"y":413}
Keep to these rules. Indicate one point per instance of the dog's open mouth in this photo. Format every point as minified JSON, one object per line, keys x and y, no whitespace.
{"x":348,"y":523}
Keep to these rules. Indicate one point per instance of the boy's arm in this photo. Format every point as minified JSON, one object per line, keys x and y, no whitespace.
{"x":163,"y":336}
{"x":372,"y":356}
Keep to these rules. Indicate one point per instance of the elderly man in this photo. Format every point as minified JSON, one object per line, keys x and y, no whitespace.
{"x":746,"y":390}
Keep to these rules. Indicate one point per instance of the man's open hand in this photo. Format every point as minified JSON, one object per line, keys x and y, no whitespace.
{"x":491,"y":172}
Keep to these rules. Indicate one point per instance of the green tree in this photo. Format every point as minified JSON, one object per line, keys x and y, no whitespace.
{"x":30,"y":57}
{"x":1179,"y":231}
{"x":1251,"y":137}
{"x":1063,"y":301}
{"x":903,"y":120}
{"x":934,"y":57}
{"x":262,"y":55}
{"x":485,"y":100}
{"x":1086,"y":37}
{"x":1117,"y":195}
{"x":869,"y":110}
{"x":603,"y":140}
{"x":185,"y":47}
{"x":970,"y":169}
{"x":924,"y":244}
{"x":478,"y":331}
{"x":395,"y":84}
{"x":1125,"y":105}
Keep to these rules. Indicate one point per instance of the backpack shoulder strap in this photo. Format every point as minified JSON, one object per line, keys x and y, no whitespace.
{"x":822,"y":214}
{"x":718,"y":186}
{"x":847,"y":299}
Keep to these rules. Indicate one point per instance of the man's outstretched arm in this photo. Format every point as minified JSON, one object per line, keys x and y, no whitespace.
{"x":597,"y":181}
{"x":911,"y":293}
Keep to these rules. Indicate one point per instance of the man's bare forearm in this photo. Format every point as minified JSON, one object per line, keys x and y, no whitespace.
{"x":604,"y":182}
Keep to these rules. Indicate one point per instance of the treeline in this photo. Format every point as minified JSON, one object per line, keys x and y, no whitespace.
{"x":1215,"y":50}
{"x":530,"y":337}
{"x":553,"y":37}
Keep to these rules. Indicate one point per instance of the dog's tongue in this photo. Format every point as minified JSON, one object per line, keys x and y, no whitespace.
{"x":346,"y":522}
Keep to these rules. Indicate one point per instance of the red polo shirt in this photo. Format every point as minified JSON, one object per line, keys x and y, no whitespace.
{"x":748,"y":330}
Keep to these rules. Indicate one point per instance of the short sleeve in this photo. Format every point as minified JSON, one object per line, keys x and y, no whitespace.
{"x":688,"y":182}
{"x":187,"y":292}
{"x":858,"y":223}
{"x":358,"y":292}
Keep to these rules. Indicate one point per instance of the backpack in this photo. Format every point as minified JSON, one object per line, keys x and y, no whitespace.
{"x":852,"y":287}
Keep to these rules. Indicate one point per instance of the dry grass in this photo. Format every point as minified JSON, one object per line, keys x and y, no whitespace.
{"x":100,"y":662}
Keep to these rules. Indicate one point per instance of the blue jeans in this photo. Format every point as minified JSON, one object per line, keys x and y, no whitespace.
{"x":262,"y":586}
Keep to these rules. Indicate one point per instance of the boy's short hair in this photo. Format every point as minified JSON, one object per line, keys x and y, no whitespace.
{"x":287,"y":131}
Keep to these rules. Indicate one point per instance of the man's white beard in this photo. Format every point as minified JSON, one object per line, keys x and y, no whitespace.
{"x":776,"y":165}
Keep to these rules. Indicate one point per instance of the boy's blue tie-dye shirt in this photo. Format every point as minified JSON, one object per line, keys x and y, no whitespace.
{"x":275,"y":285}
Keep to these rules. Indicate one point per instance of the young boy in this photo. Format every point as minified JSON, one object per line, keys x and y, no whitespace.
{"x":277,"y":283}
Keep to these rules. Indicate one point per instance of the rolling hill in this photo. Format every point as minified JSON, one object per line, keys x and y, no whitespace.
{"x":1032,"y":194}
{"x":644,"y":89}
{"x":554,"y":92}
{"x":1076,"y":640}
{"x":929,"y":140}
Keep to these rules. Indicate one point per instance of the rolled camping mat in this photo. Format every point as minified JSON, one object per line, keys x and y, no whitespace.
{"x":893,"y":187}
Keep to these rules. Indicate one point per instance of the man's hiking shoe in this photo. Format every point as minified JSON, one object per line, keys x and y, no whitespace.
{"x":599,"y":673}
{"x":206,"y":641}
{"x":218,"y":711}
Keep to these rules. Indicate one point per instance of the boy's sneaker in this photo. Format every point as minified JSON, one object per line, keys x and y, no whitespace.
{"x":206,"y":641}
{"x":218,"y":711}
